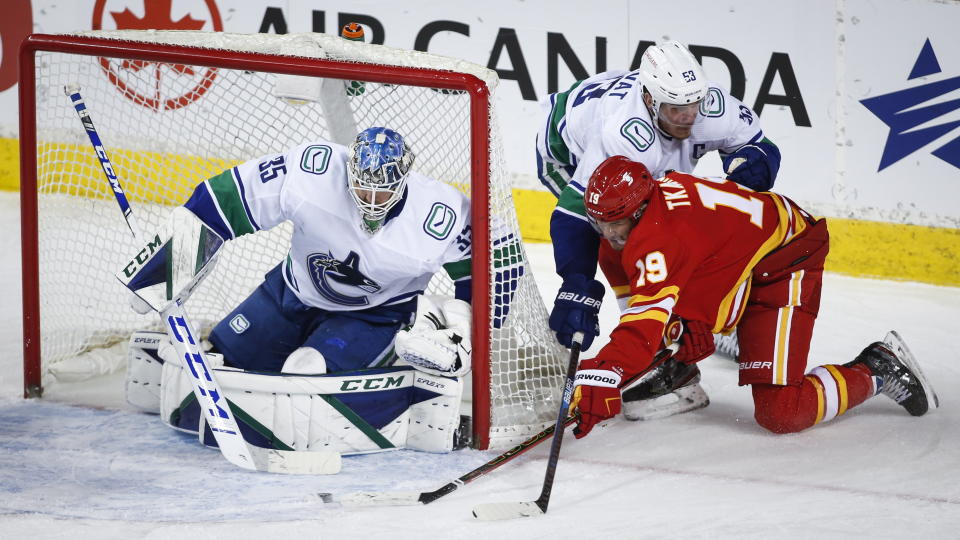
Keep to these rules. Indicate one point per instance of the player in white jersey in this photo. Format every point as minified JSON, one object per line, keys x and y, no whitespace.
{"x":368,"y":235}
{"x":665,"y":115}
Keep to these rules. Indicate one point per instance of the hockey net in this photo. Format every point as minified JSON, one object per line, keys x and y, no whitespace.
{"x":175,"y":108}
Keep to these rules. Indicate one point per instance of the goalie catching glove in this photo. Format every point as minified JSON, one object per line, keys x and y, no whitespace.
{"x":439,"y":340}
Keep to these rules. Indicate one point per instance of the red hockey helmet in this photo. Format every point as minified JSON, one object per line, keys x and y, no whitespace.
{"x":617,"y":189}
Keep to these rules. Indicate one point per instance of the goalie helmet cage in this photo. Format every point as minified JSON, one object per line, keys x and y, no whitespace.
{"x":174,"y":108}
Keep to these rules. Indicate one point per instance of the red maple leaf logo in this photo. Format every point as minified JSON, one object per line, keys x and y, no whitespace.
{"x":157,"y":15}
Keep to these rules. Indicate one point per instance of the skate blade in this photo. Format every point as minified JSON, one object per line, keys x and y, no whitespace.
{"x":899,"y":346}
{"x":688,"y":398}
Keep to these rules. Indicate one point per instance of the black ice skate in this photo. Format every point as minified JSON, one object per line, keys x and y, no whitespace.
{"x":672,"y":388}
{"x":900,"y":377}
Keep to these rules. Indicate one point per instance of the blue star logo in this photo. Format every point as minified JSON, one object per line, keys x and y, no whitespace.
{"x":902,"y":111}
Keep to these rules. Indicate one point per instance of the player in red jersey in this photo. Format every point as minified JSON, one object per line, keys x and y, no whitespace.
{"x":718,"y":256}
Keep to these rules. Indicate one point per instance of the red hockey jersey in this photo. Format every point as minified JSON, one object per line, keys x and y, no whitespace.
{"x":691,"y":253}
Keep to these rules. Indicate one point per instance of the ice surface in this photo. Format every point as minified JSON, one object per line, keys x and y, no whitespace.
{"x":99,"y":473}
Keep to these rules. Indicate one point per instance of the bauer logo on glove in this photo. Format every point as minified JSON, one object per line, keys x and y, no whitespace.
{"x":576,"y":309}
{"x":579,"y":299}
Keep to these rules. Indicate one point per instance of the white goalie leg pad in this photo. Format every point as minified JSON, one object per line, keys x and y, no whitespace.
{"x":433,"y":422}
{"x":304,"y":412}
{"x":168,"y":353}
{"x":681,"y":400}
{"x":144,"y":370}
{"x":439,"y":340}
{"x":176,"y":388}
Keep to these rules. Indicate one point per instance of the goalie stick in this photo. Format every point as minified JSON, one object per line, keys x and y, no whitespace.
{"x":208,"y":392}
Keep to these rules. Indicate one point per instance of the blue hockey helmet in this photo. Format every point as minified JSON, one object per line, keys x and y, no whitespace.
{"x":378,"y":166}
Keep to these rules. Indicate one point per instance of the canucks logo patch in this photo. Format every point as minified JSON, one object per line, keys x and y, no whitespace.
{"x":440,"y":221}
{"x":239,"y":323}
{"x":638,"y":132}
{"x":713,"y":105}
{"x":335,"y":279}
{"x":316,"y":159}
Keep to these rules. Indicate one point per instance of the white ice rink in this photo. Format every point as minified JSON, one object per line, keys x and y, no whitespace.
{"x":81,"y":473}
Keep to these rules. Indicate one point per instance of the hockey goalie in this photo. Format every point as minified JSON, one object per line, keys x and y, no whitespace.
{"x":338,"y":348}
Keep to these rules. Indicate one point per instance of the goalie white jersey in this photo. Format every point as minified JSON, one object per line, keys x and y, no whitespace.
{"x":333,"y":263}
{"x":605,"y":116}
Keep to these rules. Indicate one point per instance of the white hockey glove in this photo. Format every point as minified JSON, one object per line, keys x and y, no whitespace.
{"x":439,"y":340}
{"x":172,"y":264}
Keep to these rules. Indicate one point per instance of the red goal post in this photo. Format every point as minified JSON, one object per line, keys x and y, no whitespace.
{"x":226,"y":81}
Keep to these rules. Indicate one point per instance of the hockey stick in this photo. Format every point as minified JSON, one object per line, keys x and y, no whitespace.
{"x":403,"y":498}
{"x":511,"y":510}
{"x":208,"y":392}
{"x":407,"y":498}
{"x":73,"y":92}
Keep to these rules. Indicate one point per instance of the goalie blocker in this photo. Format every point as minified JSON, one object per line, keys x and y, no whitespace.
{"x":355,"y":412}
{"x":172,"y":264}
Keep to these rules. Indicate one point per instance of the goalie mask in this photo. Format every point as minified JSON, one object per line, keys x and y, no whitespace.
{"x":676,"y":86}
{"x":378,"y":166}
{"x":616,"y":197}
